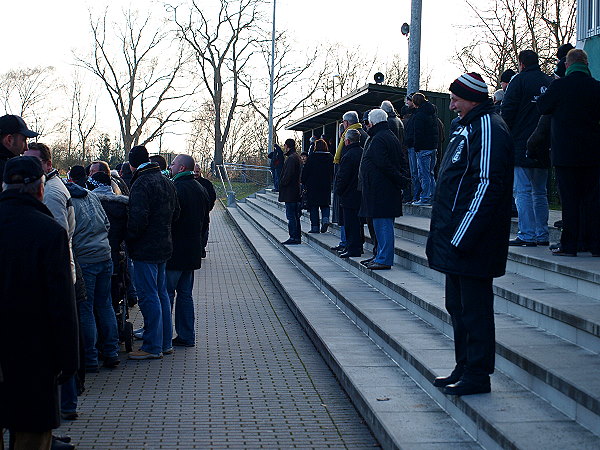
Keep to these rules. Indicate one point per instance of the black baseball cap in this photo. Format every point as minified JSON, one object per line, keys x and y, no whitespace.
{"x":11,"y":124}
{"x":22,"y":169}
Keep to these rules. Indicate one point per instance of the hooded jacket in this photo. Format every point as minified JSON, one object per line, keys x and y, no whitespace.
{"x":519,"y":109}
{"x":470,"y":220}
{"x":90,"y":239}
{"x":153,"y":207}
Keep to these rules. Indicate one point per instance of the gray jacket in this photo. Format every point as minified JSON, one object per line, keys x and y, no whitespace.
{"x":90,"y":240}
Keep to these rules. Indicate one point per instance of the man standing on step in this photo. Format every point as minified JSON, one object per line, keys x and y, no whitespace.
{"x":531,"y":176}
{"x":289,"y":191}
{"x":470,"y":225}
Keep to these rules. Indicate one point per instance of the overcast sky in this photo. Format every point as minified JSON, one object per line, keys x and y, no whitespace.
{"x":42,"y":32}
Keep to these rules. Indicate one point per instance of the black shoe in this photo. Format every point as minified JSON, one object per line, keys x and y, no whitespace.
{"x":324,"y":227}
{"x":543,"y":243}
{"x":365,"y":262}
{"x":68,"y":416}
{"x":521,"y":243}
{"x":348,"y":255}
{"x":560,"y":252}
{"x":464,"y":387}
{"x":377,"y":266}
{"x":337,"y":248}
{"x":454,"y":377}
{"x":180,"y":343}
{"x":111,"y":363}
{"x":62,"y":437}
{"x":203,"y":254}
{"x":291,"y":241}
{"x":61,"y":445}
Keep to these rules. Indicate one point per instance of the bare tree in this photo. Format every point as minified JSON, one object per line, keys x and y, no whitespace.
{"x":142,"y":74}
{"x":82,"y":116}
{"x":505,"y":27}
{"x":297,"y":77}
{"x":396,"y":72}
{"x":223,"y":46}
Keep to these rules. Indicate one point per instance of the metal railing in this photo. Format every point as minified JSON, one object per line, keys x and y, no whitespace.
{"x":247,"y":174}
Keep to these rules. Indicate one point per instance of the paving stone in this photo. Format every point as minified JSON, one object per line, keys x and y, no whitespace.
{"x":253,"y":380}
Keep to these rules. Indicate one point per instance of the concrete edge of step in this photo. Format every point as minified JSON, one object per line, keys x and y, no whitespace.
{"x":564,"y":390}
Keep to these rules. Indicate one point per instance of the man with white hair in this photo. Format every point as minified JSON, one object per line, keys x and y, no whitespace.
{"x":393,"y":120}
{"x":382,"y":174}
{"x":470,"y":225}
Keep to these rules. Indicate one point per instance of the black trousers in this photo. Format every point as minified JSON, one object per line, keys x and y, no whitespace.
{"x":372,"y":234}
{"x":470,"y":302}
{"x":352,"y":227}
{"x":579,"y":187}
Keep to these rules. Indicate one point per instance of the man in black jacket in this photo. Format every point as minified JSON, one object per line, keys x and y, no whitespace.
{"x":470,"y":225}
{"x":531,"y":176}
{"x":289,"y":191}
{"x":346,"y":187}
{"x":187,"y":247}
{"x":153,"y":206}
{"x":13,"y":139}
{"x":36,"y":288}
{"x":573,"y":102}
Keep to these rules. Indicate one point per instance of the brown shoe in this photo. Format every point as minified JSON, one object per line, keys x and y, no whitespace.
{"x":141,"y":354}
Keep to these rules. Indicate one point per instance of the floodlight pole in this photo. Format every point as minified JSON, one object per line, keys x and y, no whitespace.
{"x":414,"y":46}
{"x":270,"y":148}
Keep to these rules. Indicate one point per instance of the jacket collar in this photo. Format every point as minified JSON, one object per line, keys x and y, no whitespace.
{"x":183,"y":176}
{"x":152,"y":167}
{"x":290,"y":152}
{"x":378,"y":127}
{"x":21,"y":198}
{"x":352,"y":145}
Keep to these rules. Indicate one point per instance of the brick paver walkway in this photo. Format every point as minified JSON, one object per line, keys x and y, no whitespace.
{"x":254,"y":379}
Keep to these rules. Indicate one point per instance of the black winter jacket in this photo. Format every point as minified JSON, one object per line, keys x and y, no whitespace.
{"x":470,"y":220}
{"x":116,"y":208}
{"x":316,"y":177}
{"x":383,"y":174}
{"x":519,"y":110}
{"x":396,"y":126}
{"x":153,"y":206}
{"x":5,"y":155}
{"x":36,"y":291}
{"x":289,"y":184}
{"x":423,"y":132}
{"x":574,"y":103}
{"x":346,"y":179}
{"x":187,"y":229}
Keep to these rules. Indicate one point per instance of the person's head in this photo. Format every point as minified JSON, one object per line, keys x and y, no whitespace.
{"x":377,"y":116}
{"x":77,"y":175}
{"x":387,"y":106}
{"x":349,"y":118}
{"x":42,"y":152}
{"x":304,"y":157}
{"x":506,"y":77}
{"x":14,"y":134}
{"x":101,"y":179}
{"x":321,"y":146}
{"x":527,"y":58}
{"x":418,"y":99}
{"x":197,"y":171}
{"x":466,"y":92}
{"x":352,"y":137}
{"x":160,"y":160}
{"x":290,"y":144}
{"x":138,"y":155}
{"x":409,"y":100}
{"x":365,"y":119}
{"x":563,"y":50}
{"x":182,"y":163}
{"x":24,"y":174}
{"x":125,"y":170}
{"x":576,"y":56}
{"x":99,"y":166}
{"x":498,"y":96}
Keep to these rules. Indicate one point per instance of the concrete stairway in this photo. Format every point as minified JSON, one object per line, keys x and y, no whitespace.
{"x":386,"y":336}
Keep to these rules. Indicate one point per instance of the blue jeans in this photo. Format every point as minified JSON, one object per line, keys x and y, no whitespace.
{"x":68,"y":396}
{"x":425,"y":166}
{"x":182,"y":282}
{"x":98,"y":307}
{"x":532,"y":203}
{"x":414,"y":174}
{"x":314,"y":215}
{"x":292,"y":214}
{"x":276,"y":172}
{"x":343,"y":241}
{"x":155,"y":305}
{"x":131,"y":285}
{"x":384,"y":230}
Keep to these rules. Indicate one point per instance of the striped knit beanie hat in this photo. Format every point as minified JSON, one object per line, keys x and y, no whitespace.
{"x":470,"y":86}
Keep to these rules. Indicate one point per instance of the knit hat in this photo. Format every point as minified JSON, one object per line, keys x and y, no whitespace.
{"x":563,"y":50}
{"x":507,"y":75}
{"x":470,"y":86}
{"x":138,"y":155}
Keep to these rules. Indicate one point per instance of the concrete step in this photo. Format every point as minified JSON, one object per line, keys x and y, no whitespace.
{"x":510,"y":417}
{"x":526,"y":353}
{"x":574,"y":317}
{"x":399,"y":413}
{"x":580,"y":275}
